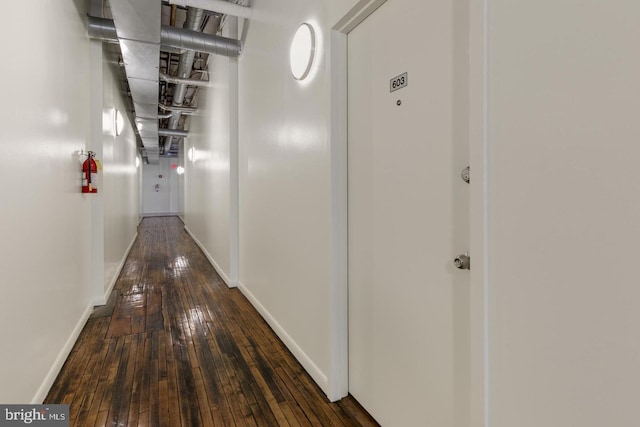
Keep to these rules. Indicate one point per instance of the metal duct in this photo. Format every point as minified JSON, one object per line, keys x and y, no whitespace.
{"x":219,"y":6}
{"x":103,"y":29}
{"x":178,"y":80}
{"x":176,"y":133}
{"x":201,"y":42}
{"x":172,"y":38}
{"x":171,"y":49}
{"x":96,"y":7}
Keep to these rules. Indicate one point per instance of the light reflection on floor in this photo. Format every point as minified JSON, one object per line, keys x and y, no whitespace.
{"x":136,"y":300}
{"x":194,"y":320}
{"x":179,"y":265}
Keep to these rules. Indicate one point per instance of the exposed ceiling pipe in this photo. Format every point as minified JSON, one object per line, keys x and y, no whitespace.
{"x":219,"y":6}
{"x":189,"y":82}
{"x":192,"y":23}
{"x":176,"y":133}
{"x":171,"y":37}
{"x":181,"y":110}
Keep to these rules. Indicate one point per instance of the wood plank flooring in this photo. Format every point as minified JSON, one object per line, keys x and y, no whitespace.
{"x":175,"y":347}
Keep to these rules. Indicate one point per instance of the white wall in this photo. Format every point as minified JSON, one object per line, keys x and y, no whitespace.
{"x":284,"y":172}
{"x":285,"y":182}
{"x":564,"y":213}
{"x":285,"y":179}
{"x":165,"y":201}
{"x":45,"y":254}
{"x":56,"y":239}
{"x":208,"y":173}
{"x":120,"y":177}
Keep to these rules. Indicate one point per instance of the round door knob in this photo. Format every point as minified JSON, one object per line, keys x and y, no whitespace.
{"x":466,"y":174}
{"x":463,"y":262}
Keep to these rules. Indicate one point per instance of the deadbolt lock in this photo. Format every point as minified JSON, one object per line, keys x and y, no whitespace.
{"x":466,"y":174}
{"x":463,"y":262}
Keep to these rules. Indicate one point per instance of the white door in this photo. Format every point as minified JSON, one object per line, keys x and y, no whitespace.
{"x":408,"y":214}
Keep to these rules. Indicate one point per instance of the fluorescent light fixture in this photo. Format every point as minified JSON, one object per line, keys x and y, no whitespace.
{"x":303,"y":51}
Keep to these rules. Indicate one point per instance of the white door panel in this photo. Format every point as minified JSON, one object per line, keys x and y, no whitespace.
{"x":408,"y":218}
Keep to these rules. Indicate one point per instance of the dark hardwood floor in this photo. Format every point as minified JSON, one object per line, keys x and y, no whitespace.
{"x":175,"y":347}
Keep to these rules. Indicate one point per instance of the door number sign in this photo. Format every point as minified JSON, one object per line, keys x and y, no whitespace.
{"x":399,"y":82}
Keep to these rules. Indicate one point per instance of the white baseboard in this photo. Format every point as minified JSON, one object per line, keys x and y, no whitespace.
{"x":316,"y":373}
{"x":213,"y":262}
{"x":102,"y":300}
{"x":62,"y":357}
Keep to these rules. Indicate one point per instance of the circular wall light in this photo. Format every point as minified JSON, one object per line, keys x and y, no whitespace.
{"x":118,"y":122}
{"x":303,"y":51}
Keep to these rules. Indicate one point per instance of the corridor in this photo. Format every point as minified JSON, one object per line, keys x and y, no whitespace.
{"x":175,"y":346}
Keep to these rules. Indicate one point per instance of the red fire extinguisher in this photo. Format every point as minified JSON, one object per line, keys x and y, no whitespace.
{"x":90,"y":174}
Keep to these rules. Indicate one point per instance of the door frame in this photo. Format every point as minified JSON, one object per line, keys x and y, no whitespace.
{"x":478,"y":146}
{"x":339,"y":290}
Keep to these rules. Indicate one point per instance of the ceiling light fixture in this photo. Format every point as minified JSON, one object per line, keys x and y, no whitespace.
{"x":303,"y":51}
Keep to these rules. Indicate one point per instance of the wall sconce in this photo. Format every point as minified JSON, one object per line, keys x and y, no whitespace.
{"x":118,"y":122}
{"x":303,"y":51}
